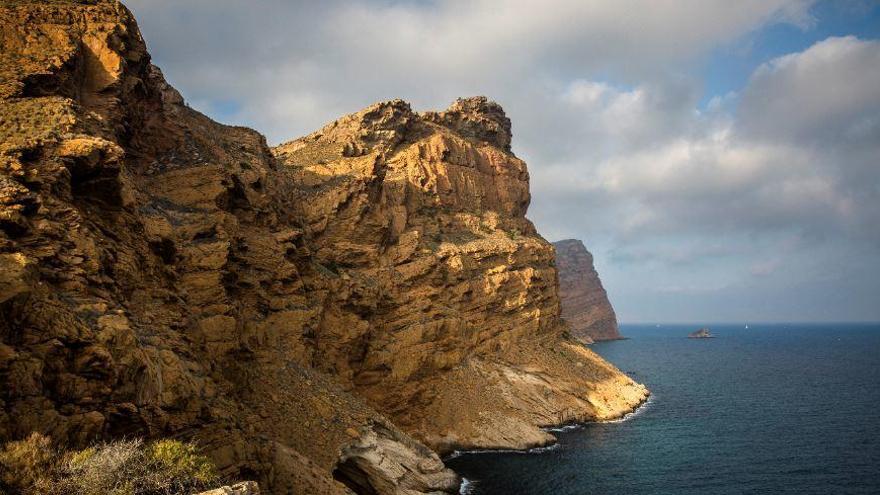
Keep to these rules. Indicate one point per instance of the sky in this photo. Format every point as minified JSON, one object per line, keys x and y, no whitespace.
{"x":720,"y":159}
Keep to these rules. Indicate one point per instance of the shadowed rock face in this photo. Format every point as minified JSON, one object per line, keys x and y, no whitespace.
{"x":314,"y":315}
{"x":585,"y":305}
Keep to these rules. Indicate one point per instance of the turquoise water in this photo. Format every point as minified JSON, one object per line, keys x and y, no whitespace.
{"x":770,"y":409}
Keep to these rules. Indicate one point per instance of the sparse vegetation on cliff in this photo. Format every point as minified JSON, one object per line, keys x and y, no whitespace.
{"x":123,"y":467}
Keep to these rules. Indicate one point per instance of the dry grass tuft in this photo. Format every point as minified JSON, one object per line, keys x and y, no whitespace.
{"x":122,"y":467}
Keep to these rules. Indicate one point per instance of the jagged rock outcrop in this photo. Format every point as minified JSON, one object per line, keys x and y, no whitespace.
{"x":443,"y":307}
{"x":585,"y":305}
{"x":312,"y":315}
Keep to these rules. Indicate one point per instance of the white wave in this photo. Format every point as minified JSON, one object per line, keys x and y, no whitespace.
{"x":533,"y":450}
{"x":547,"y":448}
{"x":578,"y":426}
{"x":632,"y":414}
{"x":566,"y":427}
{"x":466,"y":487}
{"x":553,"y":429}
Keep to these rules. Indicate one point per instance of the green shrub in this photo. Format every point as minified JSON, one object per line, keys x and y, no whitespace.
{"x":122,"y":467}
{"x":181,"y":463}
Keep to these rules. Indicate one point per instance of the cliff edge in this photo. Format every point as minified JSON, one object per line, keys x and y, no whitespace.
{"x":442,"y":308}
{"x":585,"y":305}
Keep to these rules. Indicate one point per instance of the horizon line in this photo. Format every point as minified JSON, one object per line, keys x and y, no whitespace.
{"x":755,"y":322}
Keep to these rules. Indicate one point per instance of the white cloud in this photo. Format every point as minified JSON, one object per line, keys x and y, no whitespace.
{"x":668,"y":168}
{"x":829,"y":93}
{"x":779,"y":188}
{"x":309,"y":62}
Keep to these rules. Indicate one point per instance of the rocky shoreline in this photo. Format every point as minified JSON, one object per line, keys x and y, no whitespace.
{"x":556,"y":428}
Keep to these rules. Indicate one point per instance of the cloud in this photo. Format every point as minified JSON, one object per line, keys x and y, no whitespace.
{"x":667,"y":167}
{"x":829,"y":93}
{"x":296,"y":65}
{"x":777,"y":186}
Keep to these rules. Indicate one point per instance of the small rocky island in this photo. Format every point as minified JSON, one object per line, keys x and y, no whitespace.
{"x":702,"y":333}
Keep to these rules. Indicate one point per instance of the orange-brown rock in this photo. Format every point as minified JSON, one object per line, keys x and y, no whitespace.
{"x":152,"y":271}
{"x":443,"y":308}
{"x":313,"y":315}
{"x":585,"y":305}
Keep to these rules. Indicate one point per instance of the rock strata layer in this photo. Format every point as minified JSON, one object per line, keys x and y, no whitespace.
{"x":443,"y":304}
{"x":323,"y":317}
{"x":585,"y":305}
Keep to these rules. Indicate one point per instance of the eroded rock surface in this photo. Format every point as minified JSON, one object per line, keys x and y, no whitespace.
{"x":585,"y":305}
{"x":314,"y":315}
{"x":442,"y":308}
{"x":153,"y":267}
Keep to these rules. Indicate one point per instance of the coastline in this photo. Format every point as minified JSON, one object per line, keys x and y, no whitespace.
{"x":557,"y":428}
{"x":615,"y":339}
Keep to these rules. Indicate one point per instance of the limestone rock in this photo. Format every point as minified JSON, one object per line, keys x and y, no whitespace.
{"x":440,"y":302}
{"x":14,"y":274}
{"x":243,"y":488}
{"x":585,"y":305}
{"x":313,"y":315}
{"x":477,"y":118}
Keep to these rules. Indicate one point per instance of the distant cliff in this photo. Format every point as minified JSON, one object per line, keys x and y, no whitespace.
{"x":585,"y":305}
{"x":326,"y":315}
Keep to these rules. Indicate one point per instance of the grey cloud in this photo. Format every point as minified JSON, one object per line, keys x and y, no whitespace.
{"x":296,"y":65}
{"x":707,"y":175}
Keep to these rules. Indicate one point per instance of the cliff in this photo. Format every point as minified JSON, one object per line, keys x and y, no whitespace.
{"x":585,"y":305}
{"x":442,"y":309}
{"x":321,"y":317}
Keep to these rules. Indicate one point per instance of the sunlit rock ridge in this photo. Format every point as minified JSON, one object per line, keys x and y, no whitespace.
{"x":323,"y":317}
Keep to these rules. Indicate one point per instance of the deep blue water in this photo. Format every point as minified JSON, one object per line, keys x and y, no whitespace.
{"x":771,"y":409}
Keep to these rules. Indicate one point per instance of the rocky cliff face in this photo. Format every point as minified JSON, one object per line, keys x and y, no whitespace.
{"x":441,"y":306}
{"x":585,"y":305}
{"x":314,"y":314}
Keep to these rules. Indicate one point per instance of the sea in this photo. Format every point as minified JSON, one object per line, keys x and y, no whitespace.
{"x":759,"y":409}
